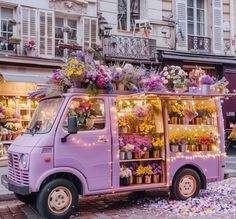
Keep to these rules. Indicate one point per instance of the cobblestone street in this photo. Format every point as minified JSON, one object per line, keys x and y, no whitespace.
{"x":219,"y":201}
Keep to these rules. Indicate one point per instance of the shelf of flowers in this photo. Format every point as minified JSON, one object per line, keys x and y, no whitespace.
{"x":141,"y":142}
{"x":193,"y":126}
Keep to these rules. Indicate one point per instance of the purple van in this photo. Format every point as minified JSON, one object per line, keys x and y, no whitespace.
{"x":72,"y":147}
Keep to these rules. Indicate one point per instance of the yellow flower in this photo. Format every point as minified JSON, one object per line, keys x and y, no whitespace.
{"x":140,"y":171}
{"x":148,"y":170}
{"x":74,"y":62}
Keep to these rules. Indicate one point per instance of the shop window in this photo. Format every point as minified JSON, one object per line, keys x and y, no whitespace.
{"x":65,"y":32}
{"x":6,"y":28}
{"x":90,"y":114}
{"x":196,"y":17}
{"x":128,"y":12}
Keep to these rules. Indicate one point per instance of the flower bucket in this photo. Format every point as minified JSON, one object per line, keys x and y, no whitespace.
{"x":174,"y":148}
{"x":131,"y":180}
{"x":123,"y":130}
{"x":125,"y":181}
{"x":114,"y":86}
{"x":128,"y":155}
{"x":198,"y":121}
{"x":209,"y":121}
{"x":148,"y":179}
{"x":122,"y":155}
{"x":90,"y":123}
{"x":137,"y":155}
{"x":30,"y":52}
{"x":156,"y":154}
{"x":183,"y":148}
{"x":205,"y":88}
{"x":139,"y":179}
{"x":146,"y":155}
{"x":173,"y":120}
{"x":192,"y":147}
{"x":155,"y":178}
{"x":121,"y":87}
{"x":180,"y":120}
{"x":211,"y":147}
{"x":9,"y":137}
{"x":88,"y":57}
{"x":77,"y":84}
{"x":185,"y":121}
{"x":4,"y":137}
{"x":203,"y":147}
{"x":180,"y":90}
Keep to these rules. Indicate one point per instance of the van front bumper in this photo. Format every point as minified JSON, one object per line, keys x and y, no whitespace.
{"x":14,"y":187}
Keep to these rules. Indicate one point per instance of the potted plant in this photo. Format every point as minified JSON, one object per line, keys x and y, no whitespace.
{"x":122,"y":154}
{"x":123,"y":125}
{"x":157,"y":172}
{"x":14,"y":40}
{"x":157,"y":144}
{"x":128,"y":151}
{"x":30,"y":47}
{"x":204,"y":143}
{"x":139,"y":174}
{"x":182,"y":142}
{"x":206,"y":82}
{"x":146,"y":28}
{"x":174,"y":147}
{"x":137,"y":152}
{"x":148,"y":174}
{"x":175,"y":113}
{"x":125,"y":174}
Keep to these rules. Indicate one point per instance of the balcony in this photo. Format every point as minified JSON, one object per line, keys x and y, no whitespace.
{"x":199,"y":44}
{"x":131,"y":48}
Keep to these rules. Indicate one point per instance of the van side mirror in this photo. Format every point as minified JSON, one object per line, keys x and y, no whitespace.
{"x":72,"y":127}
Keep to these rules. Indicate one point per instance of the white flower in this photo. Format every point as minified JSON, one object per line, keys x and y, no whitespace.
{"x":163,"y":78}
{"x":168,"y":76}
{"x":165,"y":68}
{"x":165,"y":73}
{"x":165,"y":81}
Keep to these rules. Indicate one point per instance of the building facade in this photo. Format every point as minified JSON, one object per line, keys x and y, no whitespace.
{"x":54,"y":28}
{"x":184,"y":32}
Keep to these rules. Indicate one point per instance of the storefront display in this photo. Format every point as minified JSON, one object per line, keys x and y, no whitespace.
{"x":16,"y":110}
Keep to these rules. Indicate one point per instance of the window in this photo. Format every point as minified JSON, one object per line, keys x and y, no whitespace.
{"x":128,"y":12}
{"x":6,"y":28}
{"x":62,"y":35}
{"x":196,"y":18}
{"x":89,"y":113}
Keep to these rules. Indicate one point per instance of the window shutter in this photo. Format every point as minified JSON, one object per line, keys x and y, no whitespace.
{"x":28,"y":24}
{"x":46,"y":31}
{"x":217,"y":40}
{"x":181,"y":29}
{"x":90,"y":32}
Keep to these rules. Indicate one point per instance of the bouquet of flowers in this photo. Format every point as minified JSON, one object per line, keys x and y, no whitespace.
{"x":141,"y":110}
{"x":206,"y":79}
{"x":31,"y":44}
{"x":125,"y":172}
{"x":157,"y":143}
{"x":154,"y":84}
{"x":196,"y":74}
{"x":171,"y":75}
{"x":148,"y":170}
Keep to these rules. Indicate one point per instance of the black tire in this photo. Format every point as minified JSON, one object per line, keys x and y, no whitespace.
{"x":28,"y":199}
{"x":190,"y":180}
{"x":55,"y":186}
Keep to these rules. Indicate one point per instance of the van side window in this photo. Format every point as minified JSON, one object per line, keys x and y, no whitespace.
{"x":89,"y":113}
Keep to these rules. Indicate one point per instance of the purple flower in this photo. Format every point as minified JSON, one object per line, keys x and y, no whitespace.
{"x":156,"y":169}
{"x":206,"y":79}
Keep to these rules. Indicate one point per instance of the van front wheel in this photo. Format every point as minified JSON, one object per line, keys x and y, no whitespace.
{"x":57,"y":199}
{"x":187,"y":183}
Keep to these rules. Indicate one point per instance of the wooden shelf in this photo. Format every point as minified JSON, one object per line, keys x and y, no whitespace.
{"x":137,"y":160}
{"x":6,"y":142}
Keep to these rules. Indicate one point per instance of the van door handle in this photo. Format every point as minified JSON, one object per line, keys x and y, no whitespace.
{"x":102,"y":139}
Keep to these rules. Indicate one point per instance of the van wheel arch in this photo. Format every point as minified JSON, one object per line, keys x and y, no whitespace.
{"x":197,"y":170}
{"x":65,"y":175}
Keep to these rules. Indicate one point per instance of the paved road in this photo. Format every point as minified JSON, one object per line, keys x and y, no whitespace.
{"x":217,"y":202}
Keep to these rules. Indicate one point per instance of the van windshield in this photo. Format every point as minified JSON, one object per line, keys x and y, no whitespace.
{"x":45,"y":115}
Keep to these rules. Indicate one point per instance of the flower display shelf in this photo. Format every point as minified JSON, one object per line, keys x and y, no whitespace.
{"x":144,"y":186}
{"x":139,"y":160}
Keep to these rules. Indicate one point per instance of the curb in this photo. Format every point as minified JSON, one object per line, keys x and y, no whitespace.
{"x":7,"y":196}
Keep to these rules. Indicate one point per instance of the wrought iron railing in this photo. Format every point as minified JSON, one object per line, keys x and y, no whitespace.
{"x":129,"y":47}
{"x":199,"y":44}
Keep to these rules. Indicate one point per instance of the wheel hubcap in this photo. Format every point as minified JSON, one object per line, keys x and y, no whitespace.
{"x":59,"y":199}
{"x":187,"y":186}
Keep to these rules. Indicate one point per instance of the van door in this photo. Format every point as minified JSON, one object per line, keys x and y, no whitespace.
{"x":88,"y":151}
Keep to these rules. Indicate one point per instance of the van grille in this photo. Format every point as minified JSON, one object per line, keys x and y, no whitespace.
{"x":14,"y":172}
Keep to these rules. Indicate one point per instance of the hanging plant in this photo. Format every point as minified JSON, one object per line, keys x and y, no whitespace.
{"x":66,"y":29}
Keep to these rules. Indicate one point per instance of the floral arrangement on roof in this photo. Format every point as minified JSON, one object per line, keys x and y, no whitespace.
{"x":220,"y":86}
{"x":173,"y":75}
{"x":30,"y":45}
{"x":196,"y":74}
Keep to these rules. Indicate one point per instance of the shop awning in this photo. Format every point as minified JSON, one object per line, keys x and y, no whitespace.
{"x":32,"y":75}
{"x":197,"y":58}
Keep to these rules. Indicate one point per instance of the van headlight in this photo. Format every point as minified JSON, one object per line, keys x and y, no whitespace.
{"x":24,"y":161}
